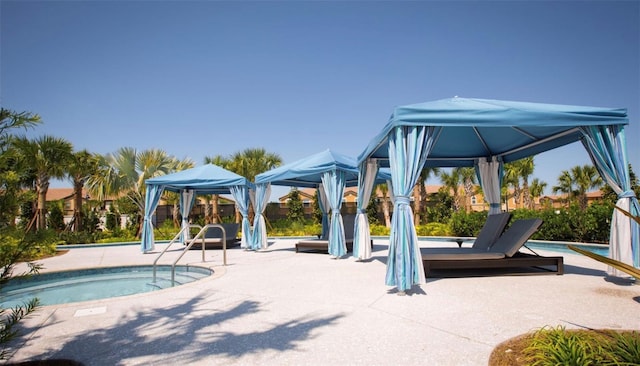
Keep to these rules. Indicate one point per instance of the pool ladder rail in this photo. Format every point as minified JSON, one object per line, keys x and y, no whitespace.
{"x":200,"y":236}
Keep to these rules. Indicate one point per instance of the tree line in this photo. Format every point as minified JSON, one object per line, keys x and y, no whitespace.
{"x":29,"y":165}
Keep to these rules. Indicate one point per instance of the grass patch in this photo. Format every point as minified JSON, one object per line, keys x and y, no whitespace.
{"x":559,"y":346}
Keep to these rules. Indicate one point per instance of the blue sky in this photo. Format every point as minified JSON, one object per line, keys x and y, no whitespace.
{"x":204,"y":78}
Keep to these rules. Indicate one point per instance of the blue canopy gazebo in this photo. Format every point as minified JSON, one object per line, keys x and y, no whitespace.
{"x":485,"y":134}
{"x":328,"y":172}
{"x":206,"y":179}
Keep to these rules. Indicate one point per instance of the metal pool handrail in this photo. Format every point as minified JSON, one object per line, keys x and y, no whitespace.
{"x":200,"y":235}
{"x":175,"y":239}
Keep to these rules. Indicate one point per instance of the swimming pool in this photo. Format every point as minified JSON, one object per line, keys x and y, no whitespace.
{"x":93,"y":284}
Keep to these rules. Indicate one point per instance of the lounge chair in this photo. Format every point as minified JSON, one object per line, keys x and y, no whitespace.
{"x":322,"y":245}
{"x":491,"y":231}
{"x":213,"y":237}
{"x":504,"y":253}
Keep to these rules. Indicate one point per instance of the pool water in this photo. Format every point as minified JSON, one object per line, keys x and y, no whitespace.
{"x":93,"y":284}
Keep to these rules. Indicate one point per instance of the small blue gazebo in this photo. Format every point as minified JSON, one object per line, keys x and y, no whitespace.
{"x":206,"y":179}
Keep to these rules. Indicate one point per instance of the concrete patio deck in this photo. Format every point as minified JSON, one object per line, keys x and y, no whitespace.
{"x":276,"y":307}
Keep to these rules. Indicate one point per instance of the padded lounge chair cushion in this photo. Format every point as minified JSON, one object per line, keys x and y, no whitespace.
{"x":348,"y":223}
{"x":515,"y":237}
{"x":213,"y":236}
{"x":458,"y":254}
{"x":491,"y":231}
{"x":507,"y":244}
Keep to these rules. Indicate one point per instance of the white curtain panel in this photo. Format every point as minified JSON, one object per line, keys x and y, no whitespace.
{"x":187,"y":198}
{"x":323,"y":202}
{"x":241,"y":195}
{"x":152,"y":198}
{"x":259,"y":235}
{"x":490,"y":182}
{"x":362,"y":234}
{"x":334,"y":183}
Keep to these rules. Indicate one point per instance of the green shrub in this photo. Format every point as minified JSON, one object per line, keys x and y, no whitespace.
{"x":571,"y":224}
{"x":296,"y":210}
{"x":112,"y":222}
{"x":82,"y":237}
{"x":40,"y":244}
{"x":14,"y":244}
{"x":167,"y":230}
{"x":55,"y":218}
{"x":601,"y":213}
{"x":293,"y":228}
{"x":433,"y":229}
{"x":555,"y":226}
{"x":15,"y":247}
{"x":379,"y":230}
{"x":624,"y":348}
{"x":91,"y":222}
{"x":467,"y":224}
{"x":558,"y":346}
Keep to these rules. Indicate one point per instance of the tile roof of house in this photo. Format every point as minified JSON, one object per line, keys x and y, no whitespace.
{"x":54,"y":194}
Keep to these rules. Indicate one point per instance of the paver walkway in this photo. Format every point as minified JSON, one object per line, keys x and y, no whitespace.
{"x":281,"y":308}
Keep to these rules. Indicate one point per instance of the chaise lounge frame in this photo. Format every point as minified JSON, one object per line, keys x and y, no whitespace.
{"x":213,"y":237}
{"x":322,"y":245}
{"x":504,"y":254}
{"x":519,"y":260}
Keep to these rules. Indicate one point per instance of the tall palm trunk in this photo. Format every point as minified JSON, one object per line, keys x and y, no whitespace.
{"x":423,"y":203}
{"x":175,"y":214}
{"x":417,"y":201}
{"x":517,"y":193}
{"x":207,"y":210}
{"x":527,"y":202}
{"x":77,"y":206}
{"x":384,"y":194}
{"x":214,"y":209}
{"x":41,"y":211}
{"x":468,"y":192}
{"x":386,"y":211}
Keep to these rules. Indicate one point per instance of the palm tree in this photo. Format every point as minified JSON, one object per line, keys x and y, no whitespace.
{"x":577,"y":182}
{"x":81,"y":166}
{"x":125,"y":171}
{"x":11,"y":193}
{"x":211,"y":215}
{"x":524,"y":169}
{"x":47,"y":157}
{"x":586,"y":178}
{"x":10,"y":120}
{"x":173,"y":199}
{"x":420,"y":194}
{"x":251,"y":162}
{"x":468,"y":177}
{"x":384,"y":193}
{"x":451,"y":182}
{"x":536,"y":189}
{"x":512,"y":178}
{"x":565,"y":184}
